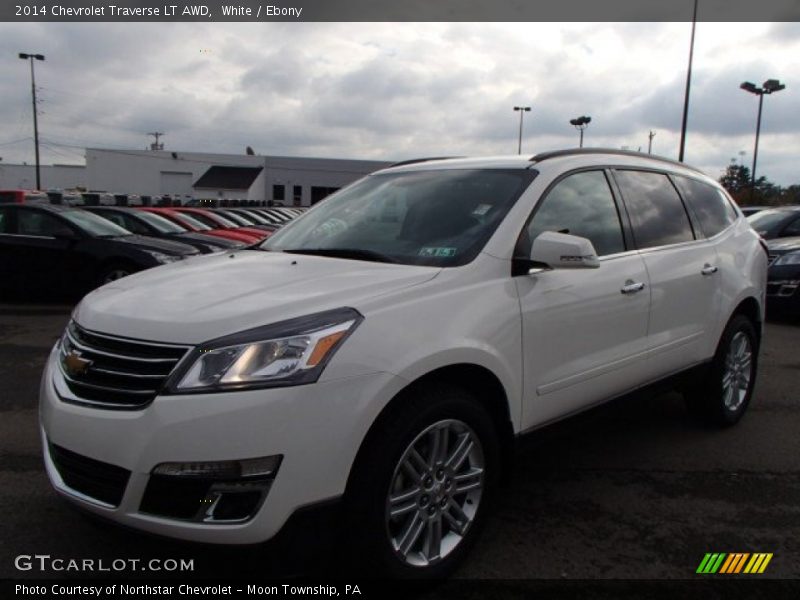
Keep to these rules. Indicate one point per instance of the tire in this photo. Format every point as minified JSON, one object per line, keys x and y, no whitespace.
{"x":115,"y":271}
{"x":722,"y":398}
{"x":394,"y":516}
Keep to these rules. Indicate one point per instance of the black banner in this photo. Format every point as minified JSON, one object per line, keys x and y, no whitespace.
{"x":405,"y":10}
{"x":453,"y":589}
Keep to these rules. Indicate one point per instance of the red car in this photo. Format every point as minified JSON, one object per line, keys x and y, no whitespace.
{"x":213,"y":219}
{"x":192,"y":224}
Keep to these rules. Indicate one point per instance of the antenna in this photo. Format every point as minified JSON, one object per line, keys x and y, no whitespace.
{"x":155,"y":145}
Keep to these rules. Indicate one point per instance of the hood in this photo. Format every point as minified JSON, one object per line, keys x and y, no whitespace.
{"x":199,"y":299}
{"x":782,"y":245}
{"x":156,"y":244}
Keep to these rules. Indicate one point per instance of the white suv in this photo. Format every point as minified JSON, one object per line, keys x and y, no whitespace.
{"x":386,"y":348}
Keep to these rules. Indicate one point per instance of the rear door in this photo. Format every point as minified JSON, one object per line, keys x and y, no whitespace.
{"x":682,"y":267}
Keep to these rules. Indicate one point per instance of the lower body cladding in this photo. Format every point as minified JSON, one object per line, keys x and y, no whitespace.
{"x":227,"y":468}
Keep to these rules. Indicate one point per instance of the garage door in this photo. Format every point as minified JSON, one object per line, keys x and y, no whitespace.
{"x":176,"y":183}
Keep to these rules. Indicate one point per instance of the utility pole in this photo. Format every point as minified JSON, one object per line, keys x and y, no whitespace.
{"x":650,"y":137}
{"x":31,"y":57}
{"x":688,"y":85}
{"x":155,"y":145}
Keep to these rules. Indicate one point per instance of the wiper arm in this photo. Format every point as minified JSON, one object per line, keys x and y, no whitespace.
{"x":354,"y":253}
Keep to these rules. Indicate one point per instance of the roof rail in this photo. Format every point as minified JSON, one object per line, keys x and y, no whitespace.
{"x":572,"y":151}
{"x":412,"y":161}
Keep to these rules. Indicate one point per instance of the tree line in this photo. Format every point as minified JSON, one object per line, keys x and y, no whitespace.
{"x":736,"y":180}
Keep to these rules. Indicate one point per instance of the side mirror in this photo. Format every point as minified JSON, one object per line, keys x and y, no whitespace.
{"x":563,"y":251}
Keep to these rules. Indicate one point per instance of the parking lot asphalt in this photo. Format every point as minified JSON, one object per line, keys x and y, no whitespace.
{"x":634,"y":490}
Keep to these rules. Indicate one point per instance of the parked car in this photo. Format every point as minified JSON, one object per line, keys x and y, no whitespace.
{"x":384,"y":351}
{"x":154,"y":225}
{"x":53,"y":250}
{"x":23,"y":197}
{"x":245,"y":218}
{"x":192,"y":224}
{"x":783,"y":277}
{"x":276,"y":216}
{"x":751,"y":210}
{"x":214,"y":219}
{"x":776,"y":222}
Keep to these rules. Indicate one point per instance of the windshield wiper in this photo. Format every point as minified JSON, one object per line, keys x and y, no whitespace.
{"x":354,"y":253}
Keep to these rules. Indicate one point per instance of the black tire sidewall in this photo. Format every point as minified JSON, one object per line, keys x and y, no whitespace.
{"x":372,"y":477}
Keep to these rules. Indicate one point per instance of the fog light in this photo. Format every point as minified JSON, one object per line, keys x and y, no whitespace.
{"x":262,"y":467}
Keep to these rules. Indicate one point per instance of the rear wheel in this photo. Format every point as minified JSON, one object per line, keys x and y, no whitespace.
{"x":722,"y":398}
{"x":420,"y":491}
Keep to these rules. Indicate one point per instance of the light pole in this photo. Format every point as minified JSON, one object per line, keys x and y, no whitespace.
{"x":521,"y":109}
{"x":581,"y":123}
{"x":770,"y":86}
{"x":31,"y":57}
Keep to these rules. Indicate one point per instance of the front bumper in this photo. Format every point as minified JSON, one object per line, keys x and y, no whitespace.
{"x":317,"y":429}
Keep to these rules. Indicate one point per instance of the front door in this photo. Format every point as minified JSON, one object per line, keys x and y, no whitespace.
{"x":584,"y":330}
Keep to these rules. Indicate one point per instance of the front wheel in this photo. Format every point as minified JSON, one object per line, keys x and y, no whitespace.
{"x":420,"y":492}
{"x":726,"y":392}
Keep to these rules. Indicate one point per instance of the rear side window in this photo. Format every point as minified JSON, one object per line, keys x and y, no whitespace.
{"x":40,"y":224}
{"x":792,"y":229}
{"x":657,"y":213}
{"x":582,"y":205}
{"x":4,"y":218}
{"x":710,"y":206}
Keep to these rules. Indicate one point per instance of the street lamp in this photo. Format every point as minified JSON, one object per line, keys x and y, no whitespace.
{"x":31,"y":57}
{"x":770,"y":86}
{"x":521,"y":109}
{"x":580,"y":124}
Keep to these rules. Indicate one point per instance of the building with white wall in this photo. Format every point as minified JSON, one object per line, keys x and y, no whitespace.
{"x":294,"y":181}
{"x":23,"y":177}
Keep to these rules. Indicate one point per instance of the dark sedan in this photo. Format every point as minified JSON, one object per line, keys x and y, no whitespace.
{"x":154,"y":225}
{"x":52,"y":251}
{"x":776,"y":222}
{"x":783,"y":277}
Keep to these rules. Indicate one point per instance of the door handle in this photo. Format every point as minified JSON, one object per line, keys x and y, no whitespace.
{"x":708,"y":269}
{"x":631,"y":287}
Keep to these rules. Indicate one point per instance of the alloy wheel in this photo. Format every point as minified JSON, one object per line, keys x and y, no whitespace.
{"x":435,"y":492}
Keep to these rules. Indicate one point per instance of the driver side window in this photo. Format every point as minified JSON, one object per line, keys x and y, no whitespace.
{"x":580,"y":204}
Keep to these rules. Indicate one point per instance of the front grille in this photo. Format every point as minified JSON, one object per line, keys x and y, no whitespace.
{"x":90,"y":477}
{"x":115,"y":372}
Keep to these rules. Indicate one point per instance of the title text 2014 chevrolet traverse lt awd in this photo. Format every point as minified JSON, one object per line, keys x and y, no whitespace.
{"x":386,"y":347}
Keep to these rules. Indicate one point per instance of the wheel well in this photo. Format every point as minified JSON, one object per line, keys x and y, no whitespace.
{"x":750,"y":308}
{"x":487,"y":389}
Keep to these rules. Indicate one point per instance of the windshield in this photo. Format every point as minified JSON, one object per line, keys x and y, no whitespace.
{"x":193,"y":222}
{"x":767,"y":219}
{"x":438,"y":218}
{"x":93,"y":224}
{"x":216,"y":221}
{"x":238,"y":219}
{"x":160,"y":224}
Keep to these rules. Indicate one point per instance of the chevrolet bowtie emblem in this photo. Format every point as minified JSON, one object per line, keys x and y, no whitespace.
{"x":75,"y":365}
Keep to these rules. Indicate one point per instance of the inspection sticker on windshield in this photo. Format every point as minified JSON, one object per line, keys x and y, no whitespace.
{"x":481,"y":209}
{"x":435,"y":251}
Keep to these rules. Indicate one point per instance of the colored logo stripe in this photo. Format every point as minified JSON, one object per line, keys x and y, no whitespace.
{"x":720,"y":562}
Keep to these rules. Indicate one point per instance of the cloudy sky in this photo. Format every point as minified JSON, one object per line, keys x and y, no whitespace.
{"x":399,"y":90}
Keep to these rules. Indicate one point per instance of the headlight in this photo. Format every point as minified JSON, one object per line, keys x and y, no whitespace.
{"x":792,"y":258}
{"x":289,"y":353}
{"x":164,"y":258}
